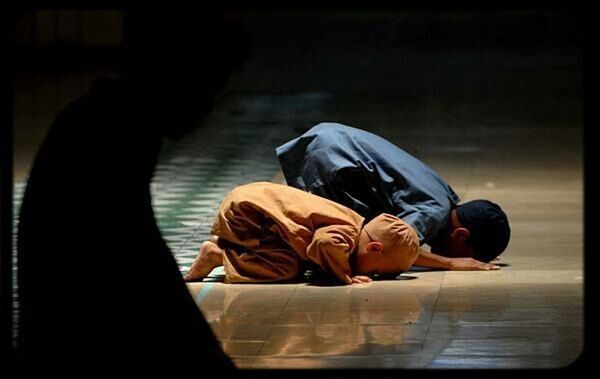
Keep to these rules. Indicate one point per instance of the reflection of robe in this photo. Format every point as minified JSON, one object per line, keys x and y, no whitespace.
{"x":269,"y":229}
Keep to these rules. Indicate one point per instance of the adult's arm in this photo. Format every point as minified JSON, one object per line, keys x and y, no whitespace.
{"x":432,"y":260}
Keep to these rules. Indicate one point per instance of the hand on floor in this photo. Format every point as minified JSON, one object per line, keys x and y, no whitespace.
{"x":360,"y":279}
{"x":470,"y":264}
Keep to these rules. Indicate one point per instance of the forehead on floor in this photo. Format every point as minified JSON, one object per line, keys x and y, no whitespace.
{"x":400,"y":240}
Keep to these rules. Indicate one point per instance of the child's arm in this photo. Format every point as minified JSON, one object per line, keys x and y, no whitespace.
{"x":331,"y":247}
{"x":427,"y":259}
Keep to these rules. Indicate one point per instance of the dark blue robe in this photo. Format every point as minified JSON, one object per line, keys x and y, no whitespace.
{"x":369,"y":175}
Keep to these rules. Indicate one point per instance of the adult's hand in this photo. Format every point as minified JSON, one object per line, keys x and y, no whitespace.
{"x":470,"y":264}
{"x":361,"y":279}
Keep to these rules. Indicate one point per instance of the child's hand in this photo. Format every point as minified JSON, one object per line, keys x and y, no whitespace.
{"x":361,"y":279}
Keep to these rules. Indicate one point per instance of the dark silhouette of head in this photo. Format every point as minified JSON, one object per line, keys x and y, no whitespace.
{"x":175,"y":63}
{"x":477,"y":229}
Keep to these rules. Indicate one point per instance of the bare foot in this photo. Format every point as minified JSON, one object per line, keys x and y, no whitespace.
{"x":210,"y":256}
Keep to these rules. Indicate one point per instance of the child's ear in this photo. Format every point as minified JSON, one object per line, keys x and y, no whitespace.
{"x":374,"y":246}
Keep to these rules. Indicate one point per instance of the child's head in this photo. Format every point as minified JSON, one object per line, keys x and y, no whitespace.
{"x":387,"y":245}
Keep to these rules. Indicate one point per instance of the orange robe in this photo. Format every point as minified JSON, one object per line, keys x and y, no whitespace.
{"x":266,"y":230}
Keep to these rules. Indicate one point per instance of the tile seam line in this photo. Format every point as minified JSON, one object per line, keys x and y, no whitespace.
{"x":277,"y":321}
{"x":432,"y":314}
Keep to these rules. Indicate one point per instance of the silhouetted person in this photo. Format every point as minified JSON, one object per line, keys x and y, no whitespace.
{"x":98,"y":285}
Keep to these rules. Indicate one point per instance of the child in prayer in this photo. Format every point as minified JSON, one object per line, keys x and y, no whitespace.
{"x":264,"y":232}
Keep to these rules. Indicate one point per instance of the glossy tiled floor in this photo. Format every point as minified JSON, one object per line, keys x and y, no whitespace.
{"x":495,"y":124}
{"x":509,"y":130}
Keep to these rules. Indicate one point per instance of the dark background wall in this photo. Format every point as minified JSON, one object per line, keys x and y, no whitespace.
{"x":58,"y":52}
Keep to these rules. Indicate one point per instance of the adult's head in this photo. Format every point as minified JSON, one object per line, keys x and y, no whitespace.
{"x":477,"y":229}
{"x":387,"y":245}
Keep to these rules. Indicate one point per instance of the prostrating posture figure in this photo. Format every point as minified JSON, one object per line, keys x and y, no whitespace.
{"x":265,"y":231}
{"x":372,"y":176}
